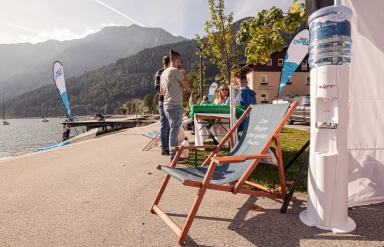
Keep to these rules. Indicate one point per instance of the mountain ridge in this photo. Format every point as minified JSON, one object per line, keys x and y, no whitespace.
{"x":91,"y":52}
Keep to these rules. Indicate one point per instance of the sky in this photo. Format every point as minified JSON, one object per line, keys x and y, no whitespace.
{"x":36,"y":21}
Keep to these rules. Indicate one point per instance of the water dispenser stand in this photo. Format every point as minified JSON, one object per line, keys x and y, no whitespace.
{"x":327,"y":199}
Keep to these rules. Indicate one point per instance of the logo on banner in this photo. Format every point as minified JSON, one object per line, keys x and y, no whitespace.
{"x":58,"y":73}
{"x":303,"y":41}
{"x":295,"y":53}
{"x":212,"y":90}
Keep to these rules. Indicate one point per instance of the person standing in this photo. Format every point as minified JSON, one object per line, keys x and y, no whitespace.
{"x":66,"y":132}
{"x":245,"y":97}
{"x":172,"y":83}
{"x":164,"y":125}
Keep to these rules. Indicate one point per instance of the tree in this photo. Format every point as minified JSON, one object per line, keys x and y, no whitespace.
{"x":148,"y":101}
{"x":155,"y":103}
{"x":194,"y":82}
{"x":128,"y":106}
{"x":264,"y":33}
{"x":218,"y":40}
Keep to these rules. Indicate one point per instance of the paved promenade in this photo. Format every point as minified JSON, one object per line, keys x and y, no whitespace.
{"x":98,"y":193}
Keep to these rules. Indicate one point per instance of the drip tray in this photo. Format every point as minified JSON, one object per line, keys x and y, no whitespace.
{"x":326,"y":125}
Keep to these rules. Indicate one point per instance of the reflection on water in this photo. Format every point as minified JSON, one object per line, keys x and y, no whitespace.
{"x":23,"y":136}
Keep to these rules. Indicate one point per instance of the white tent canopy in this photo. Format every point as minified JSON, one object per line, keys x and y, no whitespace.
{"x":366,"y":104}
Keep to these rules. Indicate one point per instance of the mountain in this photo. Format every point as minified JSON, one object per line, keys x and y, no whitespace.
{"x":78,"y":56}
{"x":107,"y":88}
{"x":19,"y":58}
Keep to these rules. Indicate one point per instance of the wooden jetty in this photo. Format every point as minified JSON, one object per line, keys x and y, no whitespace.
{"x":113,"y":123}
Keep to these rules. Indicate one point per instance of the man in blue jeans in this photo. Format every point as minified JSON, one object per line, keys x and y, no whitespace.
{"x":245,"y":97}
{"x":164,"y":125}
{"x":172,"y":83}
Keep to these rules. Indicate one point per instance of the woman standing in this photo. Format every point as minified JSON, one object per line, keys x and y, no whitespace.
{"x":223,"y":96}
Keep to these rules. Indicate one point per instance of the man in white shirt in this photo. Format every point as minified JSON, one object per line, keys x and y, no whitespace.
{"x":172,"y":83}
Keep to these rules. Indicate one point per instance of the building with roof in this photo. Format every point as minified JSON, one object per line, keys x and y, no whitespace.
{"x":264,"y":79}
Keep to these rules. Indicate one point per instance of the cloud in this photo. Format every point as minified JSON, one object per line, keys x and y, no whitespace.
{"x":122,"y":14}
{"x":60,"y":34}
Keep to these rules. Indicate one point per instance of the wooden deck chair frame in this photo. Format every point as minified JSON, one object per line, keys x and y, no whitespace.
{"x":236,"y":187}
{"x":153,"y":142}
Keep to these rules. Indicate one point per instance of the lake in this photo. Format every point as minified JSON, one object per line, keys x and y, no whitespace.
{"x":23,"y":136}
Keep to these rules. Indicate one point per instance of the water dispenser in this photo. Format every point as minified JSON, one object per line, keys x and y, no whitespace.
{"x":329,"y":57}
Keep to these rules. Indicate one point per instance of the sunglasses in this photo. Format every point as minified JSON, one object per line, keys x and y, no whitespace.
{"x":224,"y":89}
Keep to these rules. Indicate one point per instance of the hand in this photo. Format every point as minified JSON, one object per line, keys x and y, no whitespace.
{"x":182,"y":70}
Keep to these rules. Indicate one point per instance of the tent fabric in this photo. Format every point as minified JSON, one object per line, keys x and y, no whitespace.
{"x":366,"y":104}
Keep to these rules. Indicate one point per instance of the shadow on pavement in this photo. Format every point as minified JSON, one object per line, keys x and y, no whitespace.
{"x":272,"y":228}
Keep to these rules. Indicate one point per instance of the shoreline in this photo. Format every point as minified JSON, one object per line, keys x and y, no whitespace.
{"x":80,"y":130}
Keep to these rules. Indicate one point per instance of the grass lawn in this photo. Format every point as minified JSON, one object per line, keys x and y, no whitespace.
{"x":291,"y":142}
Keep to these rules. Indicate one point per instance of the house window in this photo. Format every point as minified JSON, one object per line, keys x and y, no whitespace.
{"x":308,"y":80}
{"x":304,"y":65}
{"x":280,"y":61}
{"x":263,"y":79}
{"x":269,"y":63}
{"x":290,"y":80}
{"x":264,"y":97}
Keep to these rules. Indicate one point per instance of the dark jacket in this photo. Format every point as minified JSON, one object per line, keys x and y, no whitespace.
{"x":245,"y":97}
{"x":66,"y":132}
{"x":157,"y":83}
{"x":157,"y":79}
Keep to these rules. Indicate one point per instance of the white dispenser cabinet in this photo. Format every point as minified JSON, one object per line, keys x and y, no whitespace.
{"x":328,"y":170}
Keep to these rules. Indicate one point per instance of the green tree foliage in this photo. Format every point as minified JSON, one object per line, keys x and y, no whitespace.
{"x":148,"y":102}
{"x":218,"y":40}
{"x":155,"y":103}
{"x":194,"y":81}
{"x":264,"y":33}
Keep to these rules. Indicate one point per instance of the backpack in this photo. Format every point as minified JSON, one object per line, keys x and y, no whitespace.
{"x":157,"y":79}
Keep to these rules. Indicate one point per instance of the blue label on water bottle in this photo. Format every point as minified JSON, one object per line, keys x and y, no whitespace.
{"x":324,"y":26}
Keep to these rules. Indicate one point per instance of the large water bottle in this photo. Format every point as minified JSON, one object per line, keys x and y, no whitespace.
{"x":330,"y":36}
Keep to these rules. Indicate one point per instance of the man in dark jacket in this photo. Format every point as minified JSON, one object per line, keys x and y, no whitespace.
{"x":164,"y":125}
{"x":245,"y":97}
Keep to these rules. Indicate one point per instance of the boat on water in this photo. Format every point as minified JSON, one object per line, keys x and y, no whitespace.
{"x":4,"y":122}
{"x":43,"y":119}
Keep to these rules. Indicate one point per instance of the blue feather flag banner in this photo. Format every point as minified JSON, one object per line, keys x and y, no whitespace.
{"x":297,"y":50}
{"x":58,"y":76}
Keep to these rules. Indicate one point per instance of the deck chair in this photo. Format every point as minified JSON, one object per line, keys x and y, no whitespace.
{"x":230,"y":173}
{"x":155,"y":138}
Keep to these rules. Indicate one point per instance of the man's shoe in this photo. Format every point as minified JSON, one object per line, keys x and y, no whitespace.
{"x":165,"y":152}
